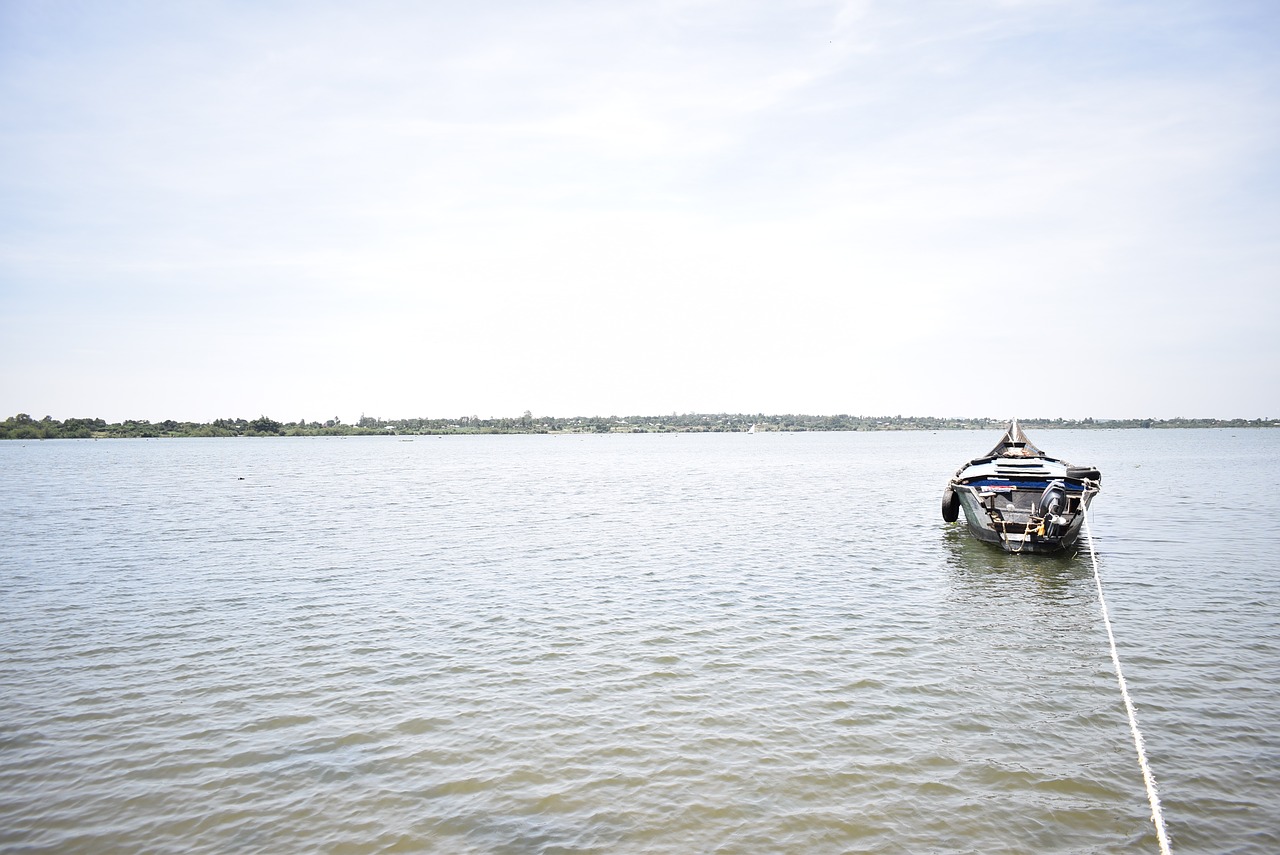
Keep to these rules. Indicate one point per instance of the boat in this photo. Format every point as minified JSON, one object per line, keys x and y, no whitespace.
{"x":1020,"y":498}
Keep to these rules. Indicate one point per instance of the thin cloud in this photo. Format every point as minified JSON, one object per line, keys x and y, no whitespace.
{"x":823,"y":207}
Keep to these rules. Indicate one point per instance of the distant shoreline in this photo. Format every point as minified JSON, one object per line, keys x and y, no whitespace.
{"x":23,"y":426}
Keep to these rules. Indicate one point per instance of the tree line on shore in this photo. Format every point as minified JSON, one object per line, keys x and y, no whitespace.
{"x":23,"y":426}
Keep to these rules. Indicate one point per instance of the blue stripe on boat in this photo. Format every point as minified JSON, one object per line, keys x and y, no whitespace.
{"x":1021,"y":484}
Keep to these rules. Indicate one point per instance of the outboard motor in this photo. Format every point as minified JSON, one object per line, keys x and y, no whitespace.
{"x":1052,"y":499}
{"x":1051,"y":503}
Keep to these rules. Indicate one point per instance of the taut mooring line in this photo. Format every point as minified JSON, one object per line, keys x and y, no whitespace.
{"x":1152,"y":795}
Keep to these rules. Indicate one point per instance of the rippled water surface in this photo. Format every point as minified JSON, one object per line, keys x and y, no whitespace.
{"x":648,"y":643}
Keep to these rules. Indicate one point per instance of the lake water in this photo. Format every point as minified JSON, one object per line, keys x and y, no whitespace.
{"x":635,"y":643}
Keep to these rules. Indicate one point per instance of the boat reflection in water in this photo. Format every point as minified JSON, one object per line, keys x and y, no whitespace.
{"x":975,"y":569}
{"x":1019,"y":498}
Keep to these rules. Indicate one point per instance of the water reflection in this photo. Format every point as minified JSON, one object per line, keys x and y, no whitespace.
{"x":978,"y":566}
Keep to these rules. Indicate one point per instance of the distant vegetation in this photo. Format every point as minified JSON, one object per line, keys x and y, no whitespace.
{"x":23,"y":426}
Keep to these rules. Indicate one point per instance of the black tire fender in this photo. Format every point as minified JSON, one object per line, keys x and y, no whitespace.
{"x":1084,"y":473}
{"x":950,"y":505}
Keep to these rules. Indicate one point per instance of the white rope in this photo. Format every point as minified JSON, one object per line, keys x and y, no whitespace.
{"x":1152,"y":796}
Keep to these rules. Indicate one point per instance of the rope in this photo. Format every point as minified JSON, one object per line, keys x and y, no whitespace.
{"x":1152,"y":796}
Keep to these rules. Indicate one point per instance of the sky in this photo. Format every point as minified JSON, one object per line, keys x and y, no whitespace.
{"x":964,"y":208}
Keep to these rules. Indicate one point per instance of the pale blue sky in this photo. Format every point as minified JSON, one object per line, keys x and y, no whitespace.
{"x":932,"y":208}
